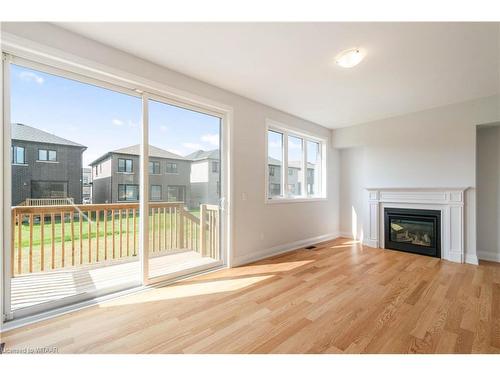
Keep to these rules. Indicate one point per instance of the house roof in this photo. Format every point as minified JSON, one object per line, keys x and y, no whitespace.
{"x":292,"y":164}
{"x":22,"y":132}
{"x":155,"y":152}
{"x":273,"y":161}
{"x":201,"y":154}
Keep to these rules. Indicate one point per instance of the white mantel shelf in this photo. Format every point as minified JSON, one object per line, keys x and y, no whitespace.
{"x":450,"y":201}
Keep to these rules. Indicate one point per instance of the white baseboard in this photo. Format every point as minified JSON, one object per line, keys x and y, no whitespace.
{"x":488,"y":255}
{"x":346,"y":235}
{"x":471,"y":259}
{"x":371,"y":243}
{"x":281,"y":249}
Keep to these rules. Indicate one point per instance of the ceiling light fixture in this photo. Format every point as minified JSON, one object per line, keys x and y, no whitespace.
{"x":350,"y":57}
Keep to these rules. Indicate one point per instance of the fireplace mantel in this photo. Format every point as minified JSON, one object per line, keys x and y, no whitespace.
{"x":450,"y":201}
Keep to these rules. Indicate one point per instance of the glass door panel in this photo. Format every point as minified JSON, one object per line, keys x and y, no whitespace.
{"x":75,"y":205}
{"x":185,"y":191}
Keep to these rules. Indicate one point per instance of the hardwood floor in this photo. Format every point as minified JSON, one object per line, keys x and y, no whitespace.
{"x":340,"y":298}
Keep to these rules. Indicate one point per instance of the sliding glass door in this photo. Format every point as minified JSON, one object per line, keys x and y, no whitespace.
{"x":74,"y":229}
{"x":184,"y":178}
{"x":82,"y":168}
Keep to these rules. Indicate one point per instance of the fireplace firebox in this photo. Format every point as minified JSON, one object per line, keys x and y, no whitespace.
{"x":413,"y":230}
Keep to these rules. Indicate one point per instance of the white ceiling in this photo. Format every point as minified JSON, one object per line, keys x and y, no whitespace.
{"x":290,"y":66}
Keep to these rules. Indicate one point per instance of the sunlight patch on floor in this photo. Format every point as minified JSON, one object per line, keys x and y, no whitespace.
{"x":269,"y":268}
{"x":188,"y":290}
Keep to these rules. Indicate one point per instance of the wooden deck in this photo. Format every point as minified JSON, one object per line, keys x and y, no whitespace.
{"x":32,"y":289}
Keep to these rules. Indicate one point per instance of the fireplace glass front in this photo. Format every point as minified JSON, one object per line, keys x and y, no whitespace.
{"x":413,"y":230}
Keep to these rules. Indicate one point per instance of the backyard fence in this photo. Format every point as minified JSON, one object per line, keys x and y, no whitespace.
{"x":52,"y":237}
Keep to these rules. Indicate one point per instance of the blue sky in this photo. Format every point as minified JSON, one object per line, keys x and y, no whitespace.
{"x":295,"y":146}
{"x":104,"y":120}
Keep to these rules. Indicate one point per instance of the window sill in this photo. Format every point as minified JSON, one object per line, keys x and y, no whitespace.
{"x":20,"y":164}
{"x":171,"y":172}
{"x":295,"y":200}
{"x":125,"y":172}
{"x":47,"y":161}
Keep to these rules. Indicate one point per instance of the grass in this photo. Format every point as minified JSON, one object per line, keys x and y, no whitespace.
{"x":82,"y":247}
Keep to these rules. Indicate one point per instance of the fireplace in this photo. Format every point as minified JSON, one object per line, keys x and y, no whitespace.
{"x":413,"y":230}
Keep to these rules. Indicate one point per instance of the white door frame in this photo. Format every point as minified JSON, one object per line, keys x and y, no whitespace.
{"x":87,"y":71}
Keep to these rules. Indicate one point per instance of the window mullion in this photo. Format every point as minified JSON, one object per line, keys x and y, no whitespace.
{"x":304,"y":169}
{"x":285,"y":165}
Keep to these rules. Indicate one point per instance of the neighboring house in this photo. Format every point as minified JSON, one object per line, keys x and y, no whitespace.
{"x":294,"y":185}
{"x":44,"y":165}
{"x":87,"y":184}
{"x":274,"y":181}
{"x":115,"y":176}
{"x":205,"y":177}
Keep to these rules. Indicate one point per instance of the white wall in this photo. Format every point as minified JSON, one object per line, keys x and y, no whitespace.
{"x":433,"y":148}
{"x":488,"y":193}
{"x":259,"y":228}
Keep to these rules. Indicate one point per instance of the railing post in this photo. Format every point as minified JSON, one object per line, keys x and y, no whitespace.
{"x":180,"y":207}
{"x":203,"y":233}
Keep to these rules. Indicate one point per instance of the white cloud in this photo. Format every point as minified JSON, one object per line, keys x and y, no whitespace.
{"x":31,"y":77}
{"x":117,"y":122}
{"x":163,"y":128}
{"x":132,"y":124}
{"x":192,"y":146}
{"x":212,"y":139}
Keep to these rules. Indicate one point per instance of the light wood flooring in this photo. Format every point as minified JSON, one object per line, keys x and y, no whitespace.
{"x":340,"y":298}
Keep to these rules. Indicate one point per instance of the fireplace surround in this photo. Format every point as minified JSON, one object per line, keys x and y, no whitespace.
{"x":413,"y":230}
{"x":449,"y":201}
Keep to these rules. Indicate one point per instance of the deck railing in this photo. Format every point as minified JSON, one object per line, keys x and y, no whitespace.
{"x":51,"y":237}
{"x":47,"y":201}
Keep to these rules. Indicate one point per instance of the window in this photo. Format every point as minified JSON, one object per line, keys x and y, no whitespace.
{"x":100,"y":168}
{"x":301,"y":157}
{"x":128,"y":192}
{"x":313,"y":168}
{"x":154,"y":167}
{"x":274,"y":189}
{"x":47,"y":155}
{"x":295,"y":165}
{"x":215,"y":167}
{"x":18,"y":155}
{"x":176,"y":193}
{"x":95,"y":171}
{"x":171,"y":167}
{"x":125,"y":165}
{"x":274,"y":162}
{"x":155,"y":193}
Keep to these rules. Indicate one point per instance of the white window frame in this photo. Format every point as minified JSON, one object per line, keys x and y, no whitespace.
{"x":286,"y":131}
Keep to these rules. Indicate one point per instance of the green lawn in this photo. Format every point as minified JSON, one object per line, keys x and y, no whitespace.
{"x":79,"y":249}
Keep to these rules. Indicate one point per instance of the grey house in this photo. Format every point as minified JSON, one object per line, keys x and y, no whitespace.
{"x":205,"y":177}
{"x":44,"y":165}
{"x":294,"y":185}
{"x":115,"y":176}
